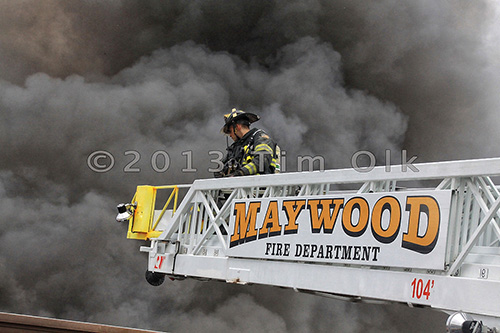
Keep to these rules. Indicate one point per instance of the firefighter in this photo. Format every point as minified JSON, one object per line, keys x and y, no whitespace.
{"x":229,"y":162}
{"x":253,"y":151}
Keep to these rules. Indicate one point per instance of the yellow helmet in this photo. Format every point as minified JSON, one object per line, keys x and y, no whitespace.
{"x":235,"y":115}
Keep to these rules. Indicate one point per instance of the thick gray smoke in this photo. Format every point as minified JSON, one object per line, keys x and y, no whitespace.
{"x":148,"y":83}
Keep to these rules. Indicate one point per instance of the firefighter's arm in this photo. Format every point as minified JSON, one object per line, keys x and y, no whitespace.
{"x":261,"y":158}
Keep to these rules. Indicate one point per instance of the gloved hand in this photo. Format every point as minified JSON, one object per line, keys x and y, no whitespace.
{"x":237,"y":173}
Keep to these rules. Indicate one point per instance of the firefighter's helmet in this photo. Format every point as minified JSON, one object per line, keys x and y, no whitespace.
{"x":236,"y":115}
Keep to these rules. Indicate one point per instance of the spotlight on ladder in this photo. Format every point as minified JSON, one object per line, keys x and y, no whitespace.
{"x":460,"y":322}
{"x":125,"y":212}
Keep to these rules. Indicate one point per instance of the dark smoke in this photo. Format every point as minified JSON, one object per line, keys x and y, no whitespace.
{"x":134,"y":77}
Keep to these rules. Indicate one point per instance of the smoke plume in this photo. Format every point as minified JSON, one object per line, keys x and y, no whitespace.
{"x":147,"y":83}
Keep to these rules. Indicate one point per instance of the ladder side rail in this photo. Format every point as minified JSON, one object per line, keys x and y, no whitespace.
{"x":364,"y":188}
{"x":202,"y":217}
{"x":181,"y":210}
{"x":453,"y":226}
{"x":209,"y":233}
{"x":484,"y":206}
{"x":224,"y":210}
{"x":470,"y":205}
{"x":378,"y":186}
{"x":462,"y":222}
{"x":491,"y":194}
{"x":216,"y":221}
{"x":393,"y":186}
{"x":222,"y":214}
{"x":266,"y":192}
{"x":188,"y":222}
{"x":185,"y":225}
{"x":199,"y":221}
{"x":277,"y":191}
{"x":492,"y":186}
{"x":179,"y":232}
{"x":468,"y":215}
{"x":173,"y":194}
{"x":198,"y":226}
{"x":427,"y":171}
{"x":195,"y":242}
{"x":314,"y":189}
{"x":256,"y":192}
{"x":468,"y":247}
{"x":444,"y":184}
{"x":343,"y":176}
{"x":481,"y":238}
{"x":281,"y":192}
{"x":192,"y":221}
{"x":458,"y":222}
{"x":387,"y":186}
{"x":216,"y":210}
{"x":304,"y":190}
{"x":496,"y":231}
{"x":213,"y":204}
{"x":493,"y":232}
{"x":319,"y":189}
{"x":202,"y":212}
{"x":241,"y":193}
{"x":213,"y":227}
{"x":477,"y":214}
{"x":271,"y":191}
{"x":287,"y":190}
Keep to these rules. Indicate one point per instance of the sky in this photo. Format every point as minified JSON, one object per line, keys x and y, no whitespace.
{"x":147,"y":83}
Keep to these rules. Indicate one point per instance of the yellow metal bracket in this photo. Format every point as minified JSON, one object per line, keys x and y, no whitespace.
{"x":141,"y":224}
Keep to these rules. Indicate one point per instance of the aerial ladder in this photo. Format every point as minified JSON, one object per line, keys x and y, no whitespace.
{"x":428,"y":236}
